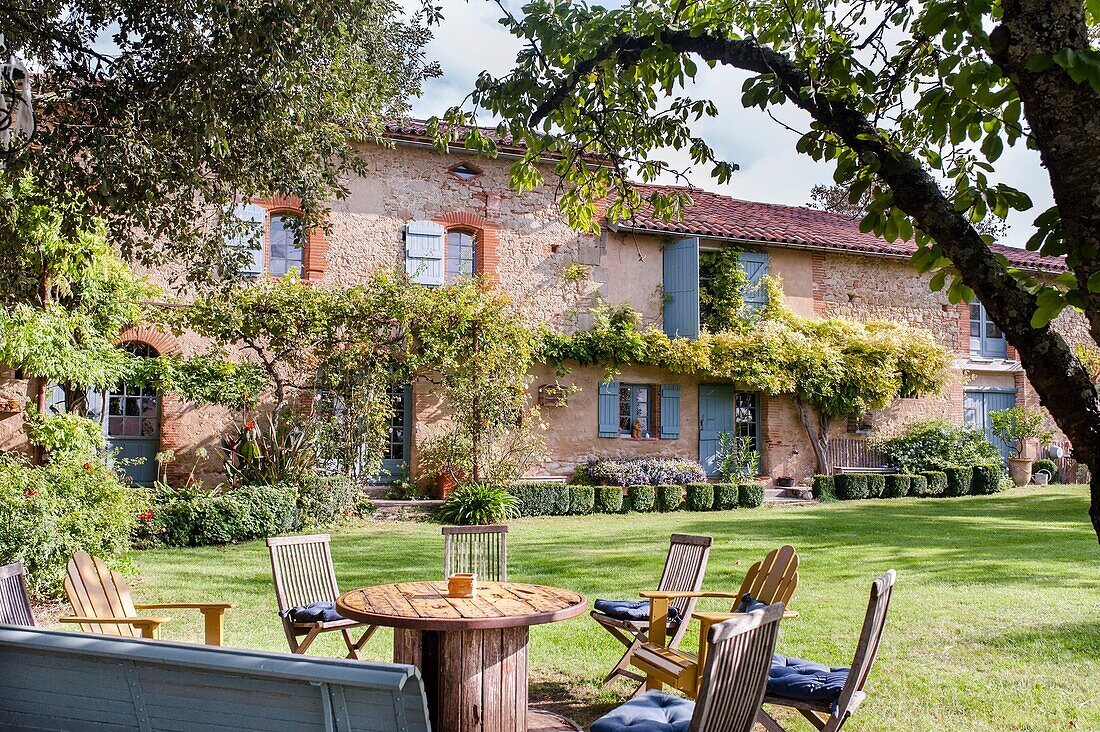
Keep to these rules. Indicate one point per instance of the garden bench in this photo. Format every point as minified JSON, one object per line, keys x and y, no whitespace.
{"x":63,"y":680}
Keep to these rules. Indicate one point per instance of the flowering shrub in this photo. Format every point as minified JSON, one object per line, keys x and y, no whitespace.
{"x":644,"y":471}
{"x":47,"y":512}
{"x":192,"y":516}
{"x":934,"y":444}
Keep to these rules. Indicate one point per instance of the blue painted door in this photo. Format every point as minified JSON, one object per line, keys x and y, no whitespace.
{"x":131,"y":418}
{"x":395,"y":460}
{"x":976,"y":408}
{"x":715,"y":417}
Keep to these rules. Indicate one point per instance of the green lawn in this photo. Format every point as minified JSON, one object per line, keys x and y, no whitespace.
{"x":995,"y":623}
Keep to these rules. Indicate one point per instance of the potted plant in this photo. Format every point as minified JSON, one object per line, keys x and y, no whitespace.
{"x":446,"y":459}
{"x":1016,"y":426}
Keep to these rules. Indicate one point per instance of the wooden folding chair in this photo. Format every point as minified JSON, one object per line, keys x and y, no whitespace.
{"x":828,"y":717}
{"x":15,"y":603}
{"x":771,"y":580}
{"x":482,"y":550}
{"x":102,"y":604}
{"x":739,"y":653}
{"x":301,"y":567}
{"x":685,"y":566}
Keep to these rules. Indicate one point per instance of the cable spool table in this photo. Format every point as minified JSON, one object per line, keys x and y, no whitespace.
{"x":471,"y":652}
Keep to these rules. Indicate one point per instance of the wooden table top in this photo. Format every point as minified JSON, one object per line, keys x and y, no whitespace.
{"x":426,"y":606}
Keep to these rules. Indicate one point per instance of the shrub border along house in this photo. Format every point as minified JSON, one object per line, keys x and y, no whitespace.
{"x":952,"y":481}
{"x":554,"y":499}
{"x":700,"y":497}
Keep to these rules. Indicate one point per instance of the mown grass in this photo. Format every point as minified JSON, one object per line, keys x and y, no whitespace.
{"x":995,"y":623}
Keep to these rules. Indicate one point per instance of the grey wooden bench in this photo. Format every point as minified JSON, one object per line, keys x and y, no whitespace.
{"x":55,"y":680}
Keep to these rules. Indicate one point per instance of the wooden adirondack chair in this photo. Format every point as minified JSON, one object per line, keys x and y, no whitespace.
{"x":831,"y":718}
{"x":739,"y":653}
{"x":771,"y":580}
{"x":301,"y":567}
{"x":15,"y":605}
{"x":482,"y":550}
{"x":685,"y":566}
{"x":102,"y":604}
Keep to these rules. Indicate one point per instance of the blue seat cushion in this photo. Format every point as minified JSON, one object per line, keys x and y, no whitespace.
{"x":631,"y":610}
{"x":749,"y":603}
{"x":653,"y":711}
{"x":801,"y":680}
{"x":317,"y":612}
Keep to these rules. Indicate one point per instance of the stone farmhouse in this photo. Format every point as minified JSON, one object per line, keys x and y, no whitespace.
{"x":448,"y":216}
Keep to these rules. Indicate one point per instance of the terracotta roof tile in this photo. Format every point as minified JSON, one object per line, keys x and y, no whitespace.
{"x":717,"y":216}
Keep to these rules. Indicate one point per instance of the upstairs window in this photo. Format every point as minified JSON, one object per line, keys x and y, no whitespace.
{"x":275,"y":242}
{"x":461,"y":254}
{"x":986,"y":339}
{"x":465,"y":171}
{"x":286,"y":248}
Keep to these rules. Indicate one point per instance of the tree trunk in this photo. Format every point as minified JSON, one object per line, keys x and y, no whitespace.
{"x":818,"y":434}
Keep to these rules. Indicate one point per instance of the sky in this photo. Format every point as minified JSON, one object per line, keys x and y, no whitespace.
{"x":470,"y":40}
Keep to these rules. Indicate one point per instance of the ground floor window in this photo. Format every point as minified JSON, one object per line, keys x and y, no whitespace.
{"x":746,"y":417}
{"x":395,"y":438}
{"x":635,"y":403}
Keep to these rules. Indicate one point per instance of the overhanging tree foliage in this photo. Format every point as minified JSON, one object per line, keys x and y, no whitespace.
{"x":160,"y":115}
{"x":912,"y":101}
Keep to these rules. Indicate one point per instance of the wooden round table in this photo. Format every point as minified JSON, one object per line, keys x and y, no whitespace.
{"x":471,"y":652}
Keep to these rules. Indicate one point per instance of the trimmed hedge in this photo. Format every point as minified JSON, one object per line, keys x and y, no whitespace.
{"x":937,"y":482}
{"x":876,"y":485}
{"x":582,"y":499}
{"x":641,"y":498}
{"x":609,"y":499}
{"x":896,"y":486}
{"x":669,"y":498}
{"x":700,"y":497}
{"x":985,"y":480}
{"x":726,"y":496}
{"x":850,"y":486}
{"x":958,"y":480}
{"x":918,"y":485}
{"x":541,"y":499}
{"x":750,"y":495}
{"x":823,"y":488}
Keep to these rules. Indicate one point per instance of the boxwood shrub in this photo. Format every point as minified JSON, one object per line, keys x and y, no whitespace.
{"x":937,"y":482}
{"x":750,"y":495}
{"x":823,"y":488}
{"x":918,"y":485}
{"x":850,"y":486}
{"x":582,"y":499}
{"x":1050,"y":466}
{"x":641,"y":498}
{"x":896,"y":486}
{"x":958,"y":480}
{"x":986,"y":479}
{"x":541,"y":499}
{"x":876,"y":485}
{"x":669,"y":497}
{"x":609,"y":499}
{"x":726,"y":496}
{"x":700,"y":497}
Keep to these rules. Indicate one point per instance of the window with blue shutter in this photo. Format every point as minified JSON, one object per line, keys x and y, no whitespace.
{"x":609,"y":408}
{"x":986,"y":339}
{"x":681,"y":288}
{"x":424,"y":252}
{"x":248,"y":234}
{"x":670,"y":412}
{"x":755,"y":265}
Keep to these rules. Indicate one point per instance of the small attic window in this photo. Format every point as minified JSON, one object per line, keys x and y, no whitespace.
{"x":465,"y":171}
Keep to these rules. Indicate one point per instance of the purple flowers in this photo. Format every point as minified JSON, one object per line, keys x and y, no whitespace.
{"x":645,"y":471}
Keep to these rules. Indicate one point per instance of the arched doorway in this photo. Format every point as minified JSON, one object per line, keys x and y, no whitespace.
{"x":130,"y":415}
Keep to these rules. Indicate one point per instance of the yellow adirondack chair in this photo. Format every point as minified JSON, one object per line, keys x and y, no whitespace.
{"x":771,"y":580}
{"x":102,"y":604}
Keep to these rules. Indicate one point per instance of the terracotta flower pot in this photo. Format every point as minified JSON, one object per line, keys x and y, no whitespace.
{"x":1019,"y":469}
{"x":445,"y":485}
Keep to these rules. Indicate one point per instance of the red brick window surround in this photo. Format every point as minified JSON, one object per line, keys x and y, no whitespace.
{"x":486,"y":236}
{"x":315,"y":246}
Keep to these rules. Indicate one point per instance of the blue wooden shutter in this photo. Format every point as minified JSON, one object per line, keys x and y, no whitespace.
{"x":609,"y":408}
{"x":755,"y":265}
{"x":670,"y":412}
{"x":424,"y":252}
{"x":681,"y":265}
{"x":250,"y":238}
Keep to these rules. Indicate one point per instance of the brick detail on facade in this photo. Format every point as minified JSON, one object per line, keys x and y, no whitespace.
{"x":315,"y":256}
{"x":172,"y":434}
{"x":487,"y":235}
{"x":963,"y":310}
{"x":163,"y":343}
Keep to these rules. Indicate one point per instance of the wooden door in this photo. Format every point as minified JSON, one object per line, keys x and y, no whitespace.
{"x":715,"y":417}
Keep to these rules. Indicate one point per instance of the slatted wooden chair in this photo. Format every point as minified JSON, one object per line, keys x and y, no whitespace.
{"x":739,"y":653}
{"x":685,"y":567}
{"x":828,"y":717}
{"x":102,"y":604}
{"x":482,"y":550}
{"x":771,"y":580}
{"x":301,"y":567}
{"x":15,"y":604}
